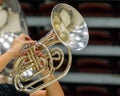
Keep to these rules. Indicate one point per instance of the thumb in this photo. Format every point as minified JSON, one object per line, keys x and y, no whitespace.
{"x":30,"y":42}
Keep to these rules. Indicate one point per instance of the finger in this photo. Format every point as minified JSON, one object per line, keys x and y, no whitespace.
{"x":28,"y":38}
{"x":29,"y":42}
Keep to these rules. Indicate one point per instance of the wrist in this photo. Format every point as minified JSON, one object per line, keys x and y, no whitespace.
{"x":50,"y":77}
{"x":11,"y":53}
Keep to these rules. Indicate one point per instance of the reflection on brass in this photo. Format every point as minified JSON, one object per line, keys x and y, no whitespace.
{"x":70,"y":30}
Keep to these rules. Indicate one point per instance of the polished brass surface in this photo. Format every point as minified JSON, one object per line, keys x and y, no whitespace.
{"x":69,"y":30}
{"x":69,"y":26}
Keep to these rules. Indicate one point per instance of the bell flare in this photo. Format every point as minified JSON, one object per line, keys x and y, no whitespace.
{"x":69,"y":26}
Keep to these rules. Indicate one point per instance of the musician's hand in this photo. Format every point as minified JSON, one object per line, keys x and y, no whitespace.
{"x":18,"y":43}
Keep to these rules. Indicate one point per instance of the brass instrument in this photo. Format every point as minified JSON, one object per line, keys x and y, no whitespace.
{"x":69,"y":30}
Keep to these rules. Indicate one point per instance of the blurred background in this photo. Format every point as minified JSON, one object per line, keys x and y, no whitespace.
{"x":95,"y":70}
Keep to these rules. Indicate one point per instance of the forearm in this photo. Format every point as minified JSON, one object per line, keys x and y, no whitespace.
{"x":51,"y":90}
{"x":54,"y":89}
{"x":5,"y":59}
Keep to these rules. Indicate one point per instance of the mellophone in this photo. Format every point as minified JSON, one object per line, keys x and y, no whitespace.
{"x":69,"y":30}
